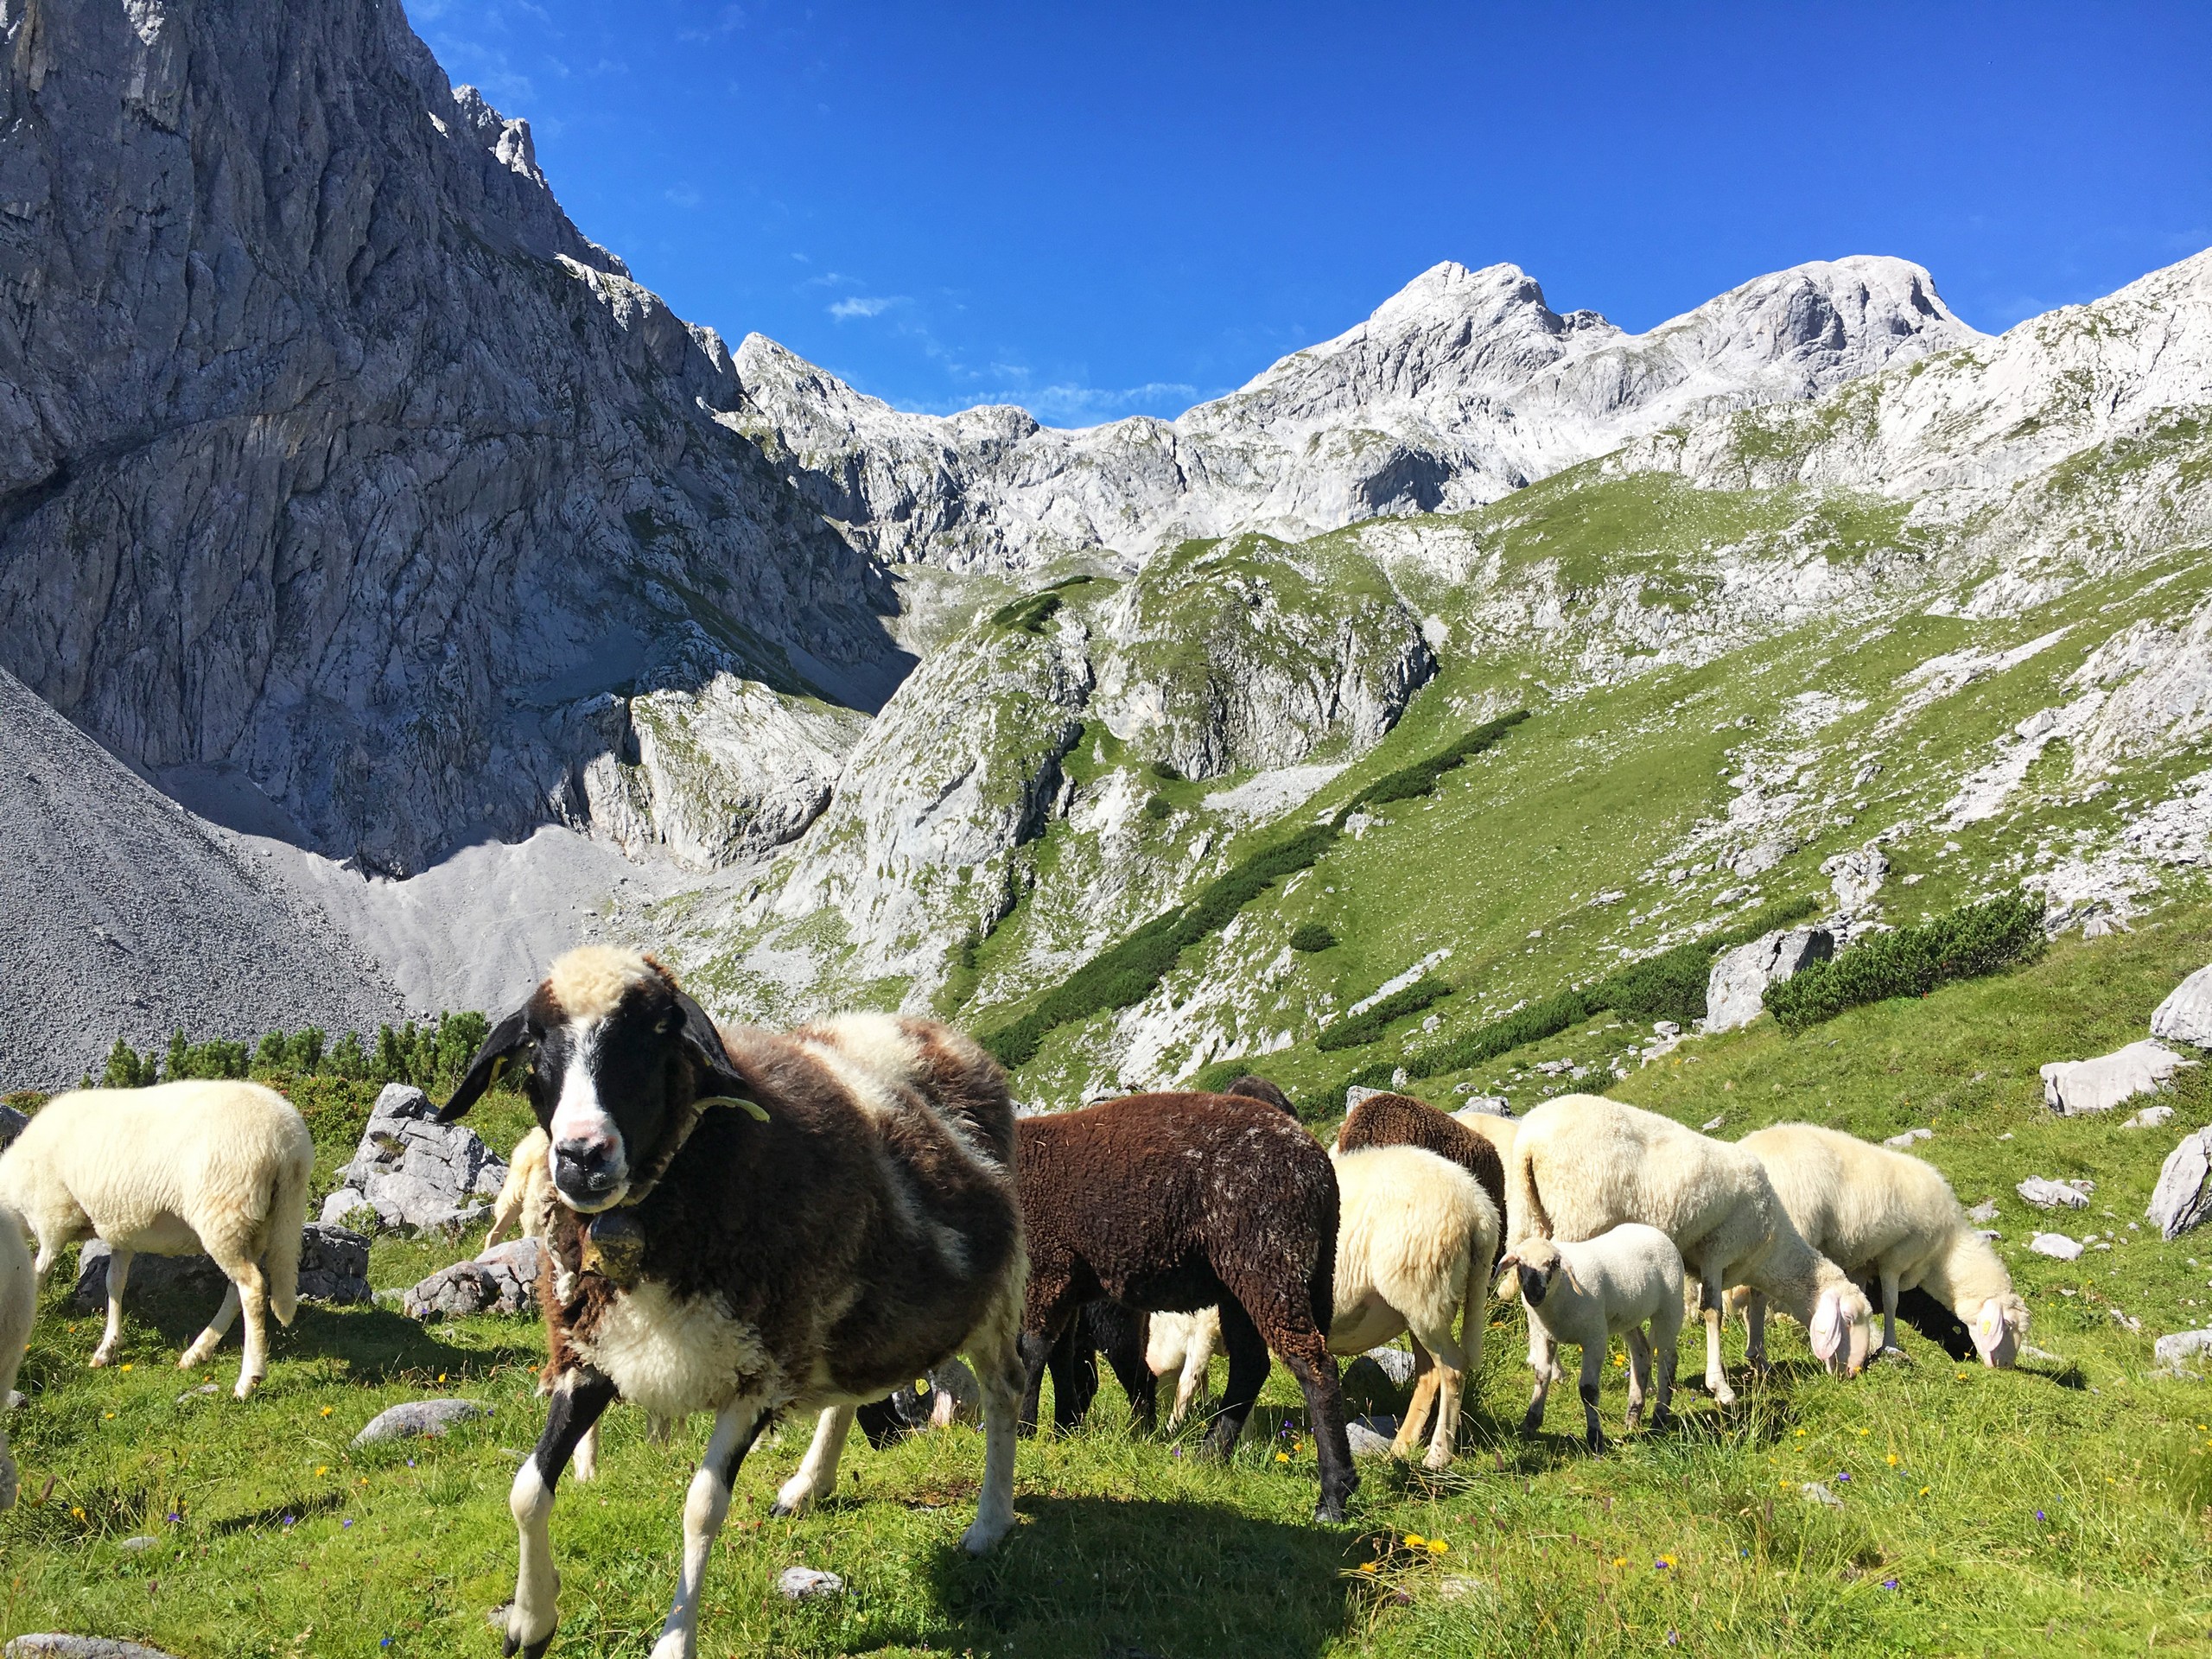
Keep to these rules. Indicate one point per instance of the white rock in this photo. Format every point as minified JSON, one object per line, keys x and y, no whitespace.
{"x":1985,"y":1211}
{"x":1910,"y":1139}
{"x":430,"y":1417}
{"x":1368,"y":1438}
{"x":2186,"y":1014}
{"x":2150,"y":1117}
{"x":2057,"y":1195}
{"x":2072,"y":1088}
{"x":1713,"y":1123}
{"x":808,"y":1583}
{"x":2184,"y":1352}
{"x":1856,"y":877}
{"x":1736,"y":987}
{"x":1816,"y":1491}
{"x":1486,"y":1106}
{"x":2180,"y":1201}
{"x":2055,"y":1244}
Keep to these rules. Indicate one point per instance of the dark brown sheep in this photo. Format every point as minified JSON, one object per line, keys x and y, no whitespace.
{"x":1262,"y":1089}
{"x":1100,"y":1327}
{"x":752,"y":1225}
{"x":1174,"y":1202}
{"x":1401,"y":1121}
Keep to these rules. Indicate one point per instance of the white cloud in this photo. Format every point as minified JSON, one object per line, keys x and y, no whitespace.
{"x":726,"y":21}
{"x":683,"y":195}
{"x":865,"y":306}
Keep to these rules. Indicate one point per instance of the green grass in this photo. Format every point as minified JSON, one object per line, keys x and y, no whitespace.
{"x":1126,"y":1547}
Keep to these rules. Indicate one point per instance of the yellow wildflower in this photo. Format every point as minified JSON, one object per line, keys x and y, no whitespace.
{"x":1438,"y":1547}
{"x":1367,"y":1566}
{"x":321,"y":1469}
{"x":1414,"y":1541}
{"x":1282,"y":1457}
{"x":126,"y":1365}
{"x":326,"y":1410}
{"x":1893,"y":1459}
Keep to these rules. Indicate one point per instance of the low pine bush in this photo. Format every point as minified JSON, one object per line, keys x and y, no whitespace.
{"x":1370,"y":1023}
{"x":1310,"y":937}
{"x":1974,"y":940}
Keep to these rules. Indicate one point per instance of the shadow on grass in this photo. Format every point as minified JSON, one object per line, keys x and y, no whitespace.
{"x":1162,"y":1579}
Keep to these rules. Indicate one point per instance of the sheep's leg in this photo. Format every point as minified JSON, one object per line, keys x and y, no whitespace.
{"x":118,"y":1275}
{"x":1586,"y":1386}
{"x":1639,"y":1374}
{"x":211,"y":1338}
{"x":585,"y":1461}
{"x":1188,"y":1385}
{"x":1451,"y":1365}
{"x":1051,"y":1306}
{"x":1667,"y":1342}
{"x":817,"y":1471}
{"x":1419,"y":1407}
{"x":1889,"y":1312}
{"x":252,"y":1289}
{"x":578,"y":1399}
{"x":1074,"y":1364}
{"x":1247,"y":1374}
{"x":1123,"y":1331}
{"x":996,"y":1353}
{"x":1543,"y":1360}
{"x":1755,"y":1330}
{"x":1713,"y":1299}
{"x":705,"y":1506}
{"x":1280,"y":1312}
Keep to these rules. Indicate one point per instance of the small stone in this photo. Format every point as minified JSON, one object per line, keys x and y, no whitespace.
{"x":1906,"y":1142}
{"x":1817,"y":1492}
{"x":194,"y":1394}
{"x":2150,"y":1117}
{"x":79,"y":1647}
{"x":1396,"y":1364}
{"x":2180,"y":1354}
{"x":143,"y":1541}
{"x":431,"y":1417}
{"x":2055,"y":1245}
{"x":808,"y":1584}
{"x":1713,"y":1123}
{"x":2029,"y":1350}
{"x":1985,"y":1211}
{"x":2057,"y":1195}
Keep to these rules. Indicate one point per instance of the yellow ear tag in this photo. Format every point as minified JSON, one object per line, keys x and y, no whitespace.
{"x":754,"y":1107}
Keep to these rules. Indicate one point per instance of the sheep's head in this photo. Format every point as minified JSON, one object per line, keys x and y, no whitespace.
{"x":1842,"y":1327}
{"x":615,"y":1057}
{"x":1997,"y":1330}
{"x":1536,"y":1263}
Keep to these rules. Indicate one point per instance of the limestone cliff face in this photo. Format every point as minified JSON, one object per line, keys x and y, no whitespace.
{"x":334,"y":462}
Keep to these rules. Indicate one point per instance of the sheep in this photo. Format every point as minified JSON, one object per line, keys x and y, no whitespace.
{"x":1185,"y":1343}
{"x":525,"y":1206}
{"x":1586,"y":1293}
{"x":749,"y":1224}
{"x":1120,"y":1333}
{"x":1583,"y":1164}
{"x":1888,"y":1214}
{"x":1414,"y":1243}
{"x":1173,"y":1202}
{"x":173,"y":1170}
{"x":18,"y":1308}
{"x":1413,"y":1250}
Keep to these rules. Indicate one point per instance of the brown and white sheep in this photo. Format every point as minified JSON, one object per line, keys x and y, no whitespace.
{"x":1175,"y":1202}
{"x":174,"y":1170}
{"x":751,"y":1224}
{"x":1583,"y":1164}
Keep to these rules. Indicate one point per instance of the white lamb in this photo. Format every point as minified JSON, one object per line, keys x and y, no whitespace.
{"x":1582,"y":1165}
{"x":182,"y":1167}
{"x":1415,"y":1233}
{"x":1185,"y":1343}
{"x":1589,"y":1293}
{"x":525,"y":1206}
{"x":1870,"y":1210}
{"x":18,"y":1307}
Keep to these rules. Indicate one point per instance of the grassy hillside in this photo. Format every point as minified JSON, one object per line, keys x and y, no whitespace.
{"x":2066,"y":1506}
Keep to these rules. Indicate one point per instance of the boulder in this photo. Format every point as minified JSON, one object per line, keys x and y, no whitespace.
{"x":2072,"y":1088}
{"x":1372,"y":1437}
{"x":2150,"y":1117}
{"x":417,"y":1174}
{"x":2182,"y":1353}
{"x":504,"y":1280}
{"x":79,"y":1647}
{"x":1736,"y":988}
{"x":2180,"y":1200}
{"x":1394,"y":1363}
{"x":2057,"y":1245}
{"x":2056,"y":1195}
{"x":1985,"y":1211}
{"x":1856,"y":876}
{"x":1354,"y":1095}
{"x":430,"y":1417}
{"x":1486,"y":1106}
{"x":334,"y":1268}
{"x":12,"y":1123}
{"x":2186,"y":1014}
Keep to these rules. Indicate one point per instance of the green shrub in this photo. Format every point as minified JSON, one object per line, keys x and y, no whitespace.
{"x":1310,"y":937}
{"x":1370,"y":1023}
{"x":1529,"y":1024}
{"x":1408,"y":782}
{"x":1159,"y":807}
{"x":126,"y":1069}
{"x":1029,"y":613}
{"x":1165,"y":773}
{"x":1971,"y":941}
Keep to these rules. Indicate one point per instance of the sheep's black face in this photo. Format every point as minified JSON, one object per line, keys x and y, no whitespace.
{"x":1535,"y":1284}
{"x":609,"y":1082}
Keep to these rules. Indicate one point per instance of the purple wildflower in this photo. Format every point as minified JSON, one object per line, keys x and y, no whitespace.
{"x":1889,"y":1584}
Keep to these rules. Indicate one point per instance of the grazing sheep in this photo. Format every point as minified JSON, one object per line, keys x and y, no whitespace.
{"x":952,"y":1396}
{"x":525,"y":1206}
{"x":1174,"y":1202}
{"x":1583,"y":1164}
{"x":753,"y":1225}
{"x":173,"y":1170}
{"x":18,"y":1308}
{"x":1888,"y":1214}
{"x":1185,"y":1343}
{"x":1401,"y":1121}
{"x":1414,"y":1246}
{"x":1119,"y":1332}
{"x":1414,"y":1243}
{"x":1587,"y":1293}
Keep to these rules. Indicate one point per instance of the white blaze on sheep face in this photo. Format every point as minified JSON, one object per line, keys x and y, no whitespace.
{"x":590,"y":1161}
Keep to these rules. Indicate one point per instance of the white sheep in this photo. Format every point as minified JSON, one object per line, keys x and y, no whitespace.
{"x":1185,"y":1343}
{"x":1870,"y":1210}
{"x":172,"y":1170}
{"x":1499,"y":1131}
{"x":1582,"y":1165}
{"x":525,"y":1206}
{"x":1416,"y":1236}
{"x":1587,"y":1293}
{"x":18,"y":1307}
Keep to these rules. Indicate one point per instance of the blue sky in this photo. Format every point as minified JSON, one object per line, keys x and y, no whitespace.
{"x":1096,"y":211}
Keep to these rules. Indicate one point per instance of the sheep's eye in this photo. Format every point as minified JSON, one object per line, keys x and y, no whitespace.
{"x":667,"y":1022}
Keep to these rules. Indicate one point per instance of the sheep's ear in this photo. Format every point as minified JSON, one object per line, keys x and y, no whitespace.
{"x":724,"y":1086}
{"x":510,"y":1037}
{"x":1826,"y":1332}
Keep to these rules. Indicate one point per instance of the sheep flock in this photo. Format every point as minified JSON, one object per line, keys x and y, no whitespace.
{"x":760,"y":1229}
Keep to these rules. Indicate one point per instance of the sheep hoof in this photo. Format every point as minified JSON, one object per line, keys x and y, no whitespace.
{"x":1662,"y":1421}
{"x":245,"y":1387}
{"x":99,"y":1361}
{"x":980,"y":1539}
{"x":511,"y":1642}
{"x":1436,"y":1461}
